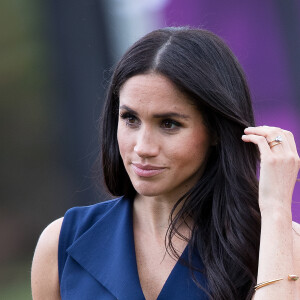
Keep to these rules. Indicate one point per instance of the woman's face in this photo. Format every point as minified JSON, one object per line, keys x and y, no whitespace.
{"x":162,"y":139}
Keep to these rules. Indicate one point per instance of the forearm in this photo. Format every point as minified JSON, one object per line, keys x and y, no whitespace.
{"x":276,"y":255}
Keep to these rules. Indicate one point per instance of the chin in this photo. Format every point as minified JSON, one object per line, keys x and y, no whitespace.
{"x":147,"y":190}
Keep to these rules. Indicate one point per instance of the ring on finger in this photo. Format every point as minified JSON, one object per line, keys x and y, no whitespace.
{"x":273,"y":144}
{"x":276,"y":141}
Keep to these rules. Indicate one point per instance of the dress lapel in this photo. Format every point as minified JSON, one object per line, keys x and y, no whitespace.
{"x":180,"y":284}
{"x":110,"y":254}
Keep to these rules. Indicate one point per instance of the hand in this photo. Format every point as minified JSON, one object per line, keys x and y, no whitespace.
{"x":278,"y":168}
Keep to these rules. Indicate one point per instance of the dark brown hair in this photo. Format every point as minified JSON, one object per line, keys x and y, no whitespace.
{"x":224,"y":202}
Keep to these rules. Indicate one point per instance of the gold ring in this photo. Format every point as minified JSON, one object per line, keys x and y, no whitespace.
{"x":273,"y":144}
{"x":276,"y":141}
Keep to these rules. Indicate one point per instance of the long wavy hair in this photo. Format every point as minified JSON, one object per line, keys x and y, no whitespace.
{"x":223,"y":204}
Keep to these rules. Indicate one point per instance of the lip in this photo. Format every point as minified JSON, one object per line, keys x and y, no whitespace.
{"x":146,"y":170}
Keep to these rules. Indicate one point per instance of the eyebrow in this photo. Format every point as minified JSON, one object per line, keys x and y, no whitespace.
{"x":162,"y":115}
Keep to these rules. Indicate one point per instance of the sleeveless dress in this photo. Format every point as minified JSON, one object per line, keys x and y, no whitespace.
{"x":96,"y":257}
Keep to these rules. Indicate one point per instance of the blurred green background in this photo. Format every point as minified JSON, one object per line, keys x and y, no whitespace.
{"x":26,"y":145}
{"x":55,"y":59}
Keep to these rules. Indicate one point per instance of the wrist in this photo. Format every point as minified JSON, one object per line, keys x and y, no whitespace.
{"x":275,"y":205}
{"x":277,"y":213}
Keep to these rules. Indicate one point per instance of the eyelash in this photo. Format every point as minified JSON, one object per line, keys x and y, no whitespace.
{"x":128,"y":116}
{"x":172,"y":122}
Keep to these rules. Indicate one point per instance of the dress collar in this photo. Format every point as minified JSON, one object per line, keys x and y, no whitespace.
{"x":110,"y":257}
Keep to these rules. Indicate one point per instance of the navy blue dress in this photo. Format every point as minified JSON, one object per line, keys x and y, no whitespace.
{"x":96,"y":257}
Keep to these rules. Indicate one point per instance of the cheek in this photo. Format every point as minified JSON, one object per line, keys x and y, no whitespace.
{"x":191,"y":151}
{"x":123,"y":142}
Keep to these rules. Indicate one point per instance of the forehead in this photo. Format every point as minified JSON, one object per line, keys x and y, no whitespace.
{"x":153,"y":90}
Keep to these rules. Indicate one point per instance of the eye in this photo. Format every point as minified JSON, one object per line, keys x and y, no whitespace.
{"x":130,"y":119}
{"x":169,"y":124}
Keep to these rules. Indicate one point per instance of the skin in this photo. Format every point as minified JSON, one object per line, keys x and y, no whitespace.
{"x":179,"y":153}
{"x":44,"y":271}
{"x":279,"y":246}
{"x":158,"y":128}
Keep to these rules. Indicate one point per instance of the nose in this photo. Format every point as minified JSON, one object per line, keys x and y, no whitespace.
{"x":146,"y":144}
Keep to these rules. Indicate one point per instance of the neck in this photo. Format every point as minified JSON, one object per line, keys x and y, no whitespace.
{"x":152,"y":216}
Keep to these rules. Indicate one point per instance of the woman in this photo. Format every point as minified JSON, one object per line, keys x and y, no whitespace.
{"x":180,"y":143}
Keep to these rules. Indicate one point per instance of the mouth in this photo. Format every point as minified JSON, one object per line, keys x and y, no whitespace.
{"x":146,"y":170}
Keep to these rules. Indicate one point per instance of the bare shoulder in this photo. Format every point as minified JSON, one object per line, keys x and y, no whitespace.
{"x":296,"y":240}
{"x":44,"y":272}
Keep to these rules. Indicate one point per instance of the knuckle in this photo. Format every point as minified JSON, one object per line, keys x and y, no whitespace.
{"x":296,"y":160}
{"x":290,"y":158}
{"x":271,"y":160}
{"x":288,"y":133}
{"x":274,"y":132}
{"x":273,"y":129}
{"x":261,"y":139}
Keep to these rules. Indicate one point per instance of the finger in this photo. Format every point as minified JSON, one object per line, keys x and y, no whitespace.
{"x":260,"y":141}
{"x":290,"y":138}
{"x":288,"y":143}
{"x":270,"y":133}
{"x":263,"y":130}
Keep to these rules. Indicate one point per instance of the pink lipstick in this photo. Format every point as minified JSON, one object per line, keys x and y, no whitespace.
{"x":146,"y":170}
